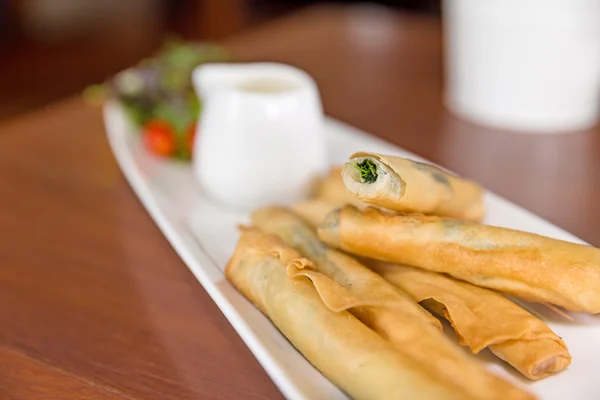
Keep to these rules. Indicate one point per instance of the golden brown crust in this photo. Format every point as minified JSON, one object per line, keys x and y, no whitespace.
{"x":526,"y":265}
{"x":483,"y":318}
{"x":535,"y":359}
{"x":362,"y":282}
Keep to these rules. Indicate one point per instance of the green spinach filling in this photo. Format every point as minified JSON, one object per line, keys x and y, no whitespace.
{"x":367,"y":170}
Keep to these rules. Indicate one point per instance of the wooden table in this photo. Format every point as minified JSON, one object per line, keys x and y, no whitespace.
{"x":94,"y":303}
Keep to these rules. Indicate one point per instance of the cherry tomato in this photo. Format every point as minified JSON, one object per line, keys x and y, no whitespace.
{"x":190,"y":137}
{"x":159,"y":137}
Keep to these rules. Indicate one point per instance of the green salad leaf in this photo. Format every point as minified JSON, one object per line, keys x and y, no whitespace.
{"x":160,"y":87}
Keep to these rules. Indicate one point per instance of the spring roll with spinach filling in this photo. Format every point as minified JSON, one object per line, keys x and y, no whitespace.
{"x":526,"y":265}
{"x":483,"y":318}
{"x":404,"y":185}
{"x":391,"y":313}
{"x":308,"y":309}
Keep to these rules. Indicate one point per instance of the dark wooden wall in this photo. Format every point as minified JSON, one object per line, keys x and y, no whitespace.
{"x":39,"y":65}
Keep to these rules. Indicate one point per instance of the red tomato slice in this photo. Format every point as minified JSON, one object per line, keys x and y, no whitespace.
{"x":159,"y":137}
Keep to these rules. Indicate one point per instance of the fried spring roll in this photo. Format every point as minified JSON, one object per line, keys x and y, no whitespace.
{"x":528,"y":266}
{"x":391,"y":313}
{"x":281,"y":284}
{"x":341,"y":268}
{"x":483,"y":318}
{"x":401,"y":184}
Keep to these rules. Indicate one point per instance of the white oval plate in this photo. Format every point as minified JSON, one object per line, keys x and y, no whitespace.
{"x":204,"y":235}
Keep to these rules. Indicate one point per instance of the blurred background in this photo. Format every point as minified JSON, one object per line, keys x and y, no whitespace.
{"x":50,"y":49}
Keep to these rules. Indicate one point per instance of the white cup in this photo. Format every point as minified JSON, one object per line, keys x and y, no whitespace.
{"x":260,"y":138}
{"x":528,"y":65}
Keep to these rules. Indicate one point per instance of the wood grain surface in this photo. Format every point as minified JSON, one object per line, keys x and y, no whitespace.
{"x":94,"y":303}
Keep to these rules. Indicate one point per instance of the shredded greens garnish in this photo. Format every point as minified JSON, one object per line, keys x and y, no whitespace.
{"x":367,"y":170}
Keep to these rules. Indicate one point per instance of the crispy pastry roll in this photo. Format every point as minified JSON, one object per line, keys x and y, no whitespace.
{"x":483,"y":318}
{"x":526,"y":265}
{"x":401,"y":184}
{"x":309,"y":309}
{"x":390,"y":312}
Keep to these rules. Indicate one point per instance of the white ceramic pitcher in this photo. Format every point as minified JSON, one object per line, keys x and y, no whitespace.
{"x":260,"y":138}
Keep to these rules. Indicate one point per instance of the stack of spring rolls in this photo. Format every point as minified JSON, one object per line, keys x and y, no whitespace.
{"x":354,"y":277}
